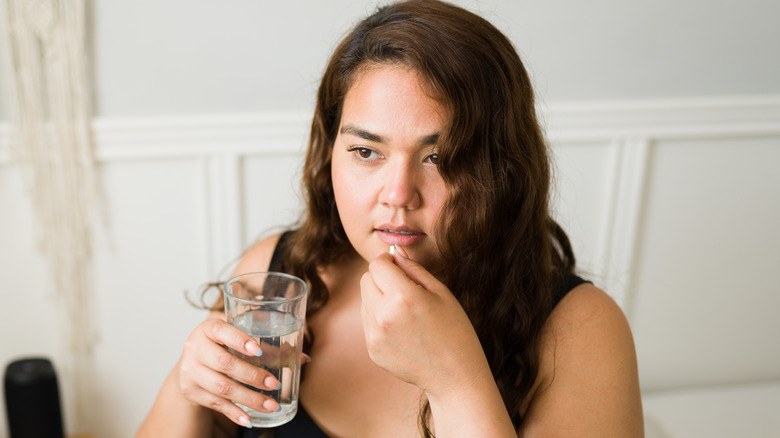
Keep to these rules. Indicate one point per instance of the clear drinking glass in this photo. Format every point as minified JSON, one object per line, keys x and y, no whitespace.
{"x":271,"y":307}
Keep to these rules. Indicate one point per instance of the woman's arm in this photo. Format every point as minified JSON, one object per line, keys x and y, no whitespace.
{"x":196,"y":398}
{"x":474,"y":408}
{"x":209,"y":376}
{"x":587,"y":385}
{"x":173,"y":415}
{"x":416,"y":330}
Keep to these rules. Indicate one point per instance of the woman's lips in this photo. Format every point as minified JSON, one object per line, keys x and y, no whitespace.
{"x":403,"y":237}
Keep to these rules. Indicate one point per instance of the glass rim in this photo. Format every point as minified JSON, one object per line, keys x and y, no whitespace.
{"x":298,"y":296}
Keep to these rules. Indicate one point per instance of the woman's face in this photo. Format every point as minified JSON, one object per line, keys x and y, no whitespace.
{"x":386,"y":182}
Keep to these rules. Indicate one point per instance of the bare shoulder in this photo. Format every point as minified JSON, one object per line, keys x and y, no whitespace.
{"x":258,"y":256}
{"x":583,"y":312}
{"x":588,"y":382}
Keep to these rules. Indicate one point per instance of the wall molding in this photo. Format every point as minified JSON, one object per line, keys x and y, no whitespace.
{"x":189,"y":136}
{"x":663,"y":119}
{"x":286,"y":132}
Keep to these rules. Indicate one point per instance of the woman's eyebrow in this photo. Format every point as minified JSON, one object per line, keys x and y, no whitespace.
{"x":429,"y":140}
{"x":362,"y":133}
{"x":376,"y":138}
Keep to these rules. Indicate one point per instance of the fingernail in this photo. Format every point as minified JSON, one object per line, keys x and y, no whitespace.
{"x":245,"y":422}
{"x":251,"y":346}
{"x":306,"y":358}
{"x":271,"y":405}
{"x":272,"y":383}
{"x":401,"y":251}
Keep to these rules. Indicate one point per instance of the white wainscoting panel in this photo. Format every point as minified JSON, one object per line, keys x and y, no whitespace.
{"x":273,"y":196}
{"x":153,"y":254}
{"x":671,"y":207}
{"x":705,"y":284}
{"x":582,"y":199}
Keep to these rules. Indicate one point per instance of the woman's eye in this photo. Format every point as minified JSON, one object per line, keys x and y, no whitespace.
{"x":432,"y":158}
{"x":364,"y":153}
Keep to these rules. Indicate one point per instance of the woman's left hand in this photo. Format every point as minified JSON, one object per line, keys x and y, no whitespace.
{"x":416,"y":329}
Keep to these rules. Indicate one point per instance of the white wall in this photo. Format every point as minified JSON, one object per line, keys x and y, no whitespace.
{"x":182,"y":57}
{"x":203,"y":110}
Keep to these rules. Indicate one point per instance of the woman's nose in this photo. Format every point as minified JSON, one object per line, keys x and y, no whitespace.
{"x":400,"y":187}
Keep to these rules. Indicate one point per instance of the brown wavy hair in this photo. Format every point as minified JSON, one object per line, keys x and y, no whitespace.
{"x":498,"y":242}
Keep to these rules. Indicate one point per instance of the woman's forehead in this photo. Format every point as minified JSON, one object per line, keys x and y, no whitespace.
{"x":391,"y":102}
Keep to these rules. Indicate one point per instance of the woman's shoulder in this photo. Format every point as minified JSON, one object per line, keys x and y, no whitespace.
{"x":587,"y":320}
{"x":585,"y":306}
{"x":587,"y":367}
{"x":258,"y":256}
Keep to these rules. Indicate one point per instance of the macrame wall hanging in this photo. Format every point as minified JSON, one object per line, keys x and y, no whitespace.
{"x":51,"y":140}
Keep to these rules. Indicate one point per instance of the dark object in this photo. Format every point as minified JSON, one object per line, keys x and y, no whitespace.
{"x":32,"y":399}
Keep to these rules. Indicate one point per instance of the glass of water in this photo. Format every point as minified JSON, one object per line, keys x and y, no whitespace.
{"x":271,"y":307}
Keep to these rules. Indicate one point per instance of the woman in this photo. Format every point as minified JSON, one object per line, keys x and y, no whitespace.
{"x":424,"y":139}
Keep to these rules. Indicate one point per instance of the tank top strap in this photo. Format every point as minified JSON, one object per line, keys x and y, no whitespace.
{"x":278,"y":254}
{"x":563,"y":283}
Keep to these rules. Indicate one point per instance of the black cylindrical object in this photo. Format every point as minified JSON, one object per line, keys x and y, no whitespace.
{"x":32,"y":399}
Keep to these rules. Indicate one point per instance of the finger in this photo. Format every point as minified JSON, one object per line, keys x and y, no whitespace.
{"x":220,"y":393}
{"x":226,"y":408}
{"x":192,"y":382}
{"x":222,"y":386}
{"x":223,"y":361}
{"x":223,"y":333}
{"x":416,"y":272}
{"x":389,"y":276}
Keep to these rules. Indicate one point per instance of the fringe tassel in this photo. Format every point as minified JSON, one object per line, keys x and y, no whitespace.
{"x":53,"y":143}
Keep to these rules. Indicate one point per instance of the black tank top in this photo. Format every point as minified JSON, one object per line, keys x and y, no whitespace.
{"x":302,"y":426}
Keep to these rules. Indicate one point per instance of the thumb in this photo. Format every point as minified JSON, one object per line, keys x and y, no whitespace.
{"x":413,"y":270}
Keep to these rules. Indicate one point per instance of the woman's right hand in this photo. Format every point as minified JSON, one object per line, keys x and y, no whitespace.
{"x":209,"y":375}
